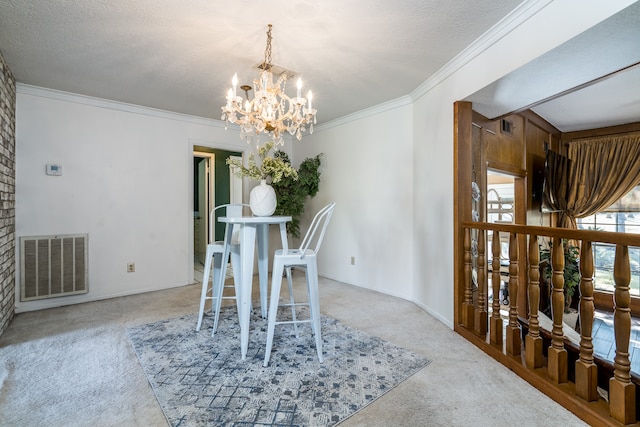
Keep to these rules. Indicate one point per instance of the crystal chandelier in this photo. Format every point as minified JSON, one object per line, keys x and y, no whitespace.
{"x":271,"y":111}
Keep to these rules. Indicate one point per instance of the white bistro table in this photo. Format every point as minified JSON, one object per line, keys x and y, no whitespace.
{"x":250,"y":227}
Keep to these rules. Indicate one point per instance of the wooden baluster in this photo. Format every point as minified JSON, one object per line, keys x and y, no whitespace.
{"x":514,"y":341}
{"x":558,"y":357}
{"x":495,"y":330}
{"x":533,"y":340}
{"x":480,"y":322}
{"x":586,"y":369}
{"x":622,"y":392}
{"x":467,"y":305}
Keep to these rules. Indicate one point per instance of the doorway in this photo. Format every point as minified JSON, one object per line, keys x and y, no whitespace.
{"x":500,"y":208}
{"x":214,"y":184}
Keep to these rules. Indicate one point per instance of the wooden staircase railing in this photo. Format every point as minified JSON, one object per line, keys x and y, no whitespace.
{"x":526,"y":354}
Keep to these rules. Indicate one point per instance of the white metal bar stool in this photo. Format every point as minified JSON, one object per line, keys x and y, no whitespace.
{"x":303,"y":257}
{"x":214,"y":257}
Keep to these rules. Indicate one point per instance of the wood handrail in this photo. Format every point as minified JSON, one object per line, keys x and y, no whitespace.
{"x":628,"y":239}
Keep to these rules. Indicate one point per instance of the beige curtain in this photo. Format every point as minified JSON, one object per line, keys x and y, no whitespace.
{"x":600,"y":171}
{"x":556,"y":182}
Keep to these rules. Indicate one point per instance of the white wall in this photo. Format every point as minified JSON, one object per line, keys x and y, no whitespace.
{"x":127,"y":182}
{"x":367,"y":169}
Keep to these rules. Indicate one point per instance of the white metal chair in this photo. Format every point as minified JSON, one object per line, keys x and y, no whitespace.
{"x":214,"y":254}
{"x":306,"y":258}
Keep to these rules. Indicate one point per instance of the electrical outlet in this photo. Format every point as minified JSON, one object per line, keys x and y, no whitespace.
{"x":353,"y":260}
{"x":131,"y":267}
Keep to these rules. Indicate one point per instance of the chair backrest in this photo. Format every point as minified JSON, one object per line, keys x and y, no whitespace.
{"x":232,"y":210}
{"x":319,"y":223}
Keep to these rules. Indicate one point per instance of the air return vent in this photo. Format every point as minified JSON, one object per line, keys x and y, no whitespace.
{"x":506,"y":126}
{"x":53,"y":266}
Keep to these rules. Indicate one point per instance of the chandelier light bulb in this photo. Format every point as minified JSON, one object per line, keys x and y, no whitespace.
{"x":299,"y":87}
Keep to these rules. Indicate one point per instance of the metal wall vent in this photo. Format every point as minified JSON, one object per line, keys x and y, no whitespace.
{"x":506,"y":126}
{"x":53,"y":266}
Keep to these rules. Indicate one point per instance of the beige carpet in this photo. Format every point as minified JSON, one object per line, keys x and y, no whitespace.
{"x":75,"y":366}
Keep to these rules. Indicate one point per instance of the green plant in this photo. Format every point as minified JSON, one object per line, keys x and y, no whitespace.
{"x":269,"y":166}
{"x":571,"y":266}
{"x":292,"y":193}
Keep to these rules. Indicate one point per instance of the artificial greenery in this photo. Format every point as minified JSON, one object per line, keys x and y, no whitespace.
{"x":292,"y":193}
{"x":269,"y":166}
{"x":571,"y":266}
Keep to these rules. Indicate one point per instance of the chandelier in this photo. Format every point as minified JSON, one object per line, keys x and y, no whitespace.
{"x":271,"y":111}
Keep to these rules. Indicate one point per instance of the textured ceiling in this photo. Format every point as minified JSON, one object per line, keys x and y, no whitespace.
{"x":180,"y":55}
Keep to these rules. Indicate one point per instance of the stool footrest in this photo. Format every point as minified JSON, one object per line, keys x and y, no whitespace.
{"x":284,"y":322}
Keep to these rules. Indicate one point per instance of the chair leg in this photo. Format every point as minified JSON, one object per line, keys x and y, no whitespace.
{"x":218,"y":289}
{"x":205,"y":288}
{"x":276,"y":283}
{"x":314,"y":304}
{"x":237,"y":278}
{"x":292,"y":301}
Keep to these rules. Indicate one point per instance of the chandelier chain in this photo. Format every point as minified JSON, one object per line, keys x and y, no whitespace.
{"x":266,"y":65}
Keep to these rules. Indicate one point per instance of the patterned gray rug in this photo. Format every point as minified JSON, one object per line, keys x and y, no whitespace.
{"x":199,"y":380}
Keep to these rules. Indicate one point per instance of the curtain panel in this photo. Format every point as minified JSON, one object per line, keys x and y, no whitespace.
{"x":595,"y":173}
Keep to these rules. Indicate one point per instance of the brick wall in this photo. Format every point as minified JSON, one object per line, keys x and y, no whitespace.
{"x":7,"y":194}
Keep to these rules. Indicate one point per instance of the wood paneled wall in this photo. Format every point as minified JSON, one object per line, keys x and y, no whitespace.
{"x":519,"y":153}
{"x":513,"y":145}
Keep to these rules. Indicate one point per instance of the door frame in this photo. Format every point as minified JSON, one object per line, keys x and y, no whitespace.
{"x":194,"y":145}
{"x":209,"y":195}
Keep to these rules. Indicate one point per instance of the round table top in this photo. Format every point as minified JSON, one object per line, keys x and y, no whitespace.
{"x":277,"y":219}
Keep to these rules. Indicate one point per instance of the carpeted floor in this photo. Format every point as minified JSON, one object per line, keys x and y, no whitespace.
{"x":201,"y":381}
{"x":75,"y":366}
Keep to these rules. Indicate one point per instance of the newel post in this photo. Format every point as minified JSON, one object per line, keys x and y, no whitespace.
{"x":622,"y":392}
{"x":533,"y":340}
{"x":558,"y":363}
{"x":586,"y":370}
{"x":513,"y":328}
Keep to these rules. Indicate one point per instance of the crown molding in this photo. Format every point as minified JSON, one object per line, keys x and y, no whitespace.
{"x":59,"y":95}
{"x":501,"y":29}
{"x":510,"y":22}
{"x":367,"y":112}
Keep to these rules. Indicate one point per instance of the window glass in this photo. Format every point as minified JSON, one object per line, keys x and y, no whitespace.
{"x":622,"y":217}
{"x":500,"y":202}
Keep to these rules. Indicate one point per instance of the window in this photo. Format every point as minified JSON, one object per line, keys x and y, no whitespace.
{"x":622,"y":217}
{"x":500,"y":190}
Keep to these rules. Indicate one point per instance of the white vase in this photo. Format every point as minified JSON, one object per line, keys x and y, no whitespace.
{"x":262,"y":199}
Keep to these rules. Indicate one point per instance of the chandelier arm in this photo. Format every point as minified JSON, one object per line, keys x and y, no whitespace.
{"x":291,"y":107}
{"x":238,"y":108}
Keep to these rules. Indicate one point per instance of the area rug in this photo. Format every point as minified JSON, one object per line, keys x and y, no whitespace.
{"x":199,"y":380}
